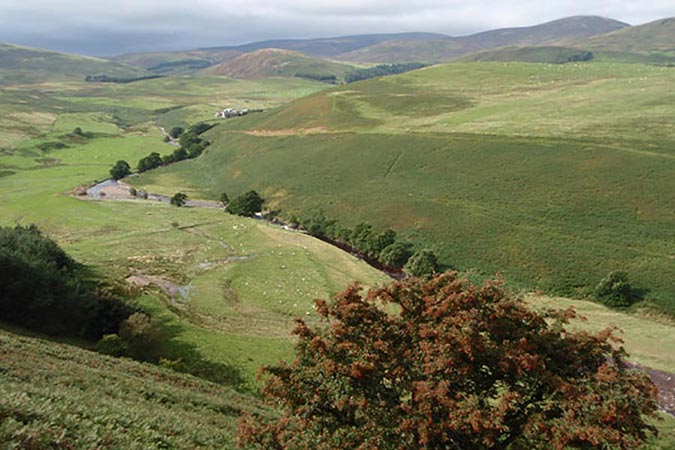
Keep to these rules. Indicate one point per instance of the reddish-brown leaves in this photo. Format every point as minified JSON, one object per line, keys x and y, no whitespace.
{"x":457,"y":367}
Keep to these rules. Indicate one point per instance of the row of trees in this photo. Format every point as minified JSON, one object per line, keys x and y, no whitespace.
{"x":381,"y":70}
{"x":381,"y":246}
{"x":191,"y":146}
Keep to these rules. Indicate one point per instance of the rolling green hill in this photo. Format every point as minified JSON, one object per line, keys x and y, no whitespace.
{"x":474,"y":160}
{"x":22,"y":65}
{"x":278,"y":63}
{"x":543,"y":54}
{"x":448,"y":49}
{"x":560,"y":55}
{"x":553,"y":175}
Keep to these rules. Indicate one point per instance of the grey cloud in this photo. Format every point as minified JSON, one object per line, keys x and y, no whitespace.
{"x":114,"y":27}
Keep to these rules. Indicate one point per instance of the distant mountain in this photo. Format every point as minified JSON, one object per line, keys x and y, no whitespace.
{"x":448,"y":49}
{"x":178,"y":62}
{"x":29,"y":65}
{"x":657,"y":36}
{"x":191,"y":61}
{"x":282,"y":63}
{"x":651,"y":43}
{"x":330,"y":47}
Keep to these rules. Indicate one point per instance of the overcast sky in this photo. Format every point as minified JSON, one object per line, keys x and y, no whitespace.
{"x":98,"y":27}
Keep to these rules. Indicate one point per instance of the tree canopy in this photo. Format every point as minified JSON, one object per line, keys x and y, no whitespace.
{"x":44,"y":289}
{"x":246,"y":205}
{"x":120,"y":170}
{"x":455,"y":367}
{"x":179,"y":199}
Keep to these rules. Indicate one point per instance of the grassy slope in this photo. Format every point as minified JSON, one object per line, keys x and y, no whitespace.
{"x":557,"y":55}
{"x":238,"y":310}
{"x":553,"y":174}
{"x":277,"y":63}
{"x":59,"y":396}
{"x":245,"y":280}
{"x":27,"y":111}
{"x":21,"y":65}
{"x":56,"y":394}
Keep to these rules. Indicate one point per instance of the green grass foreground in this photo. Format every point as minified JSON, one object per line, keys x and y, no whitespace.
{"x":60,"y":396}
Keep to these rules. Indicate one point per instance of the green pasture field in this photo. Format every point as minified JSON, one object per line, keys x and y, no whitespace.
{"x":234,"y":284}
{"x":553,"y":175}
{"x":241,"y":282}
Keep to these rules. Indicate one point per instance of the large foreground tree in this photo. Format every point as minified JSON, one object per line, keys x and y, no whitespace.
{"x":447,"y":365}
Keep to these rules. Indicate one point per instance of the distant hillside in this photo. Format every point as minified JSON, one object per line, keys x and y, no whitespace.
{"x":561,"y":55}
{"x":551,"y":54}
{"x":657,"y":36}
{"x":279,"y":63}
{"x":191,"y":61}
{"x":177,"y":63}
{"x":435,"y":50}
{"x":330,"y":47}
{"x":29,"y":65}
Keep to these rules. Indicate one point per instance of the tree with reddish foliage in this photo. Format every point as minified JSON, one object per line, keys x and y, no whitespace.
{"x":446,"y":365}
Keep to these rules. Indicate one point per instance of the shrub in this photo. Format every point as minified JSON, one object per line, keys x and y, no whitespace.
{"x":422,"y":264}
{"x":176,"y":132}
{"x":615,"y":291}
{"x":396,"y":254}
{"x":112,"y":345}
{"x":142,"y":336}
{"x":224,"y":199}
{"x":133,"y":192}
{"x":179,"y":199}
{"x":455,"y":367}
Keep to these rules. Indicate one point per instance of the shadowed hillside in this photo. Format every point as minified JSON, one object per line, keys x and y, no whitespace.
{"x":29,"y":65}
{"x":435,"y":50}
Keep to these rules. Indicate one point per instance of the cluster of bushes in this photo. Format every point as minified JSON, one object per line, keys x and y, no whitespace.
{"x":191,"y":146}
{"x":580,"y":57}
{"x":139,"y":337}
{"x":381,"y":70}
{"x":49,"y":146}
{"x":616,"y":291}
{"x":45,"y":290}
{"x":109,"y":79}
{"x":324,"y":78}
{"x":380,"y":246}
{"x":77,"y":132}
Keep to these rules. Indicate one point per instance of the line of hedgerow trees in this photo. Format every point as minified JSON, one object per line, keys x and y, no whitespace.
{"x":382,"y":246}
{"x":191,"y":146}
{"x":381,"y":71}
